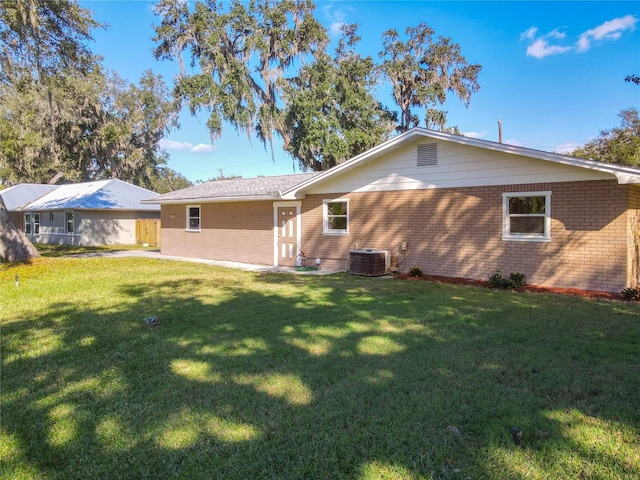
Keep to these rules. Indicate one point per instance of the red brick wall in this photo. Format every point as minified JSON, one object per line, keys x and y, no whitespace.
{"x":454,"y":232}
{"x":238,"y":232}
{"x":457,"y":232}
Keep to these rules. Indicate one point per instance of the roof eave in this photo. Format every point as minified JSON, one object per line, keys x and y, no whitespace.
{"x":209,"y":199}
{"x":71,"y":207}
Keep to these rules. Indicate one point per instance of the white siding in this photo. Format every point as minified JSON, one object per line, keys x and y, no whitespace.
{"x":105,"y":228}
{"x":458,"y":166}
{"x":91,"y":227}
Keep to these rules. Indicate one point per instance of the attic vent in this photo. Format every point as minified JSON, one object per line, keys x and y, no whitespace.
{"x":428,"y":155}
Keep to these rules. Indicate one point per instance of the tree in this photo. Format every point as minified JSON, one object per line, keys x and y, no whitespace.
{"x":105,"y":127}
{"x":617,"y":145}
{"x":38,"y":40}
{"x":422,"y":71}
{"x":331,"y":111}
{"x":242,"y":55}
{"x":14,"y":245}
{"x":133,"y":120}
{"x":26,"y":145}
{"x":44,"y":37}
{"x":163,"y":179}
{"x":633,"y":79}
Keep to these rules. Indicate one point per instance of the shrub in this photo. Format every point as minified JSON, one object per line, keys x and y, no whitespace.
{"x":415,"y":272}
{"x":630,"y":294}
{"x":497,"y":280}
{"x":515,"y":280}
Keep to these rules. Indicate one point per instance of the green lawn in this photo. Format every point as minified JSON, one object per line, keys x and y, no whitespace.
{"x":255,"y":376}
{"x":52,"y":250}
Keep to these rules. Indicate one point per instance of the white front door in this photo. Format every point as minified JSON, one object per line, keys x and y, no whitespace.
{"x":287,"y":227}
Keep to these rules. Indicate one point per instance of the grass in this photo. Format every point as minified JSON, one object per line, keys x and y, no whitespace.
{"x":307,"y":377}
{"x":51,"y":250}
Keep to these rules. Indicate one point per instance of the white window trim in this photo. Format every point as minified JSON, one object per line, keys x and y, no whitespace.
{"x":325,"y":218}
{"x":187,"y":226}
{"x":27,"y":224}
{"x":507,"y":236}
{"x":66,"y":222}
{"x":36,"y":223}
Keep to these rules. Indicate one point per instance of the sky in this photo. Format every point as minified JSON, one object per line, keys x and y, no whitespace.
{"x":552,"y":72}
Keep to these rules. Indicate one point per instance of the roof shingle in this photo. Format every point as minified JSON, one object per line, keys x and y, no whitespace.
{"x":237,"y":188}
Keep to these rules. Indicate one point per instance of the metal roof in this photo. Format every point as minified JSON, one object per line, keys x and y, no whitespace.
{"x":258,"y":188}
{"x":110,"y":194}
{"x":16,"y":197}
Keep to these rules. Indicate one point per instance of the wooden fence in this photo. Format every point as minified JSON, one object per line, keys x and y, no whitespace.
{"x":148,"y":231}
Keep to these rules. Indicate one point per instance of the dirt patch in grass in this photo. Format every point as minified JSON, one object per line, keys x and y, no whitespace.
{"x":528,"y":288}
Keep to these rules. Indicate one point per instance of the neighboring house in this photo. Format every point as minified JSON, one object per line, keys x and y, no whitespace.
{"x":451,"y":205}
{"x":103,"y":212}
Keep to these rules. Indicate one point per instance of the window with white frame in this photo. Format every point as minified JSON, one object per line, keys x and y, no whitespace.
{"x":526,"y":216}
{"x":336,"y":217}
{"x":27,"y":223}
{"x":69,"y":222}
{"x":36,"y":223}
{"x":193,"y":218}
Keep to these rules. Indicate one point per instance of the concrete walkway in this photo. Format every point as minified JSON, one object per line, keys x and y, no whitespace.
{"x":238,"y":265}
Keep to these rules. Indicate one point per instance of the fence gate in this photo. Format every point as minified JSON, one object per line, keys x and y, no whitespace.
{"x":148,"y":231}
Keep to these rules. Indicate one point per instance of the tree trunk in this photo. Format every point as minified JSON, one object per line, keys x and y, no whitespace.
{"x":14,"y":245}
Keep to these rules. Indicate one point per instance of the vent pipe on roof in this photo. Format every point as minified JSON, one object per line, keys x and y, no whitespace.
{"x":499,"y":131}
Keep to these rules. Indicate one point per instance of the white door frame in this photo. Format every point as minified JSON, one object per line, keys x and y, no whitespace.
{"x":298,"y":205}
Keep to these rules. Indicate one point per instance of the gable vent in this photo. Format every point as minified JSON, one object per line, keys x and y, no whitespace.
{"x":428,"y":155}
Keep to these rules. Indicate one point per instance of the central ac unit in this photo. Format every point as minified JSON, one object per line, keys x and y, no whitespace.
{"x":369,"y":262}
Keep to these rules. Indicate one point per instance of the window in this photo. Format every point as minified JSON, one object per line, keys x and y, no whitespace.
{"x":69,"y":224}
{"x":336,"y":217}
{"x":27,"y":223}
{"x":36,"y":223}
{"x":526,"y":216}
{"x":193,"y":218}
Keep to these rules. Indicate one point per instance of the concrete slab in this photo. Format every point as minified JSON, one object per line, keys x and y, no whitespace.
{"x":237,"y":265}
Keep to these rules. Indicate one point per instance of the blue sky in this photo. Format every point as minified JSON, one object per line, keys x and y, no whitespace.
{"x":552,"y":72}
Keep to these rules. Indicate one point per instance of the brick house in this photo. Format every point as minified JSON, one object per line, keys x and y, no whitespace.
{"x":450,"y":205}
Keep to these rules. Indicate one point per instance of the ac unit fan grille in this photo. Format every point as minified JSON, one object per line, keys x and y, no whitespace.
{"x":368,"y":262}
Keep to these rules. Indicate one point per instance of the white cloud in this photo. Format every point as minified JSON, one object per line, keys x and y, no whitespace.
{"x":186,"y":146}
{"x":337,"y":18}
{"x":202,"y":148}
{"x":513,"y":141}
{"x":529,"y":34}
{"x":474,"y":134}
{"x":541,"y":46}
{"x":556,"y":33}
{"x":173,"y":145}
{"x":541,"y":49}
{"x":566,"y":147}
{"x":611,"y":30}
